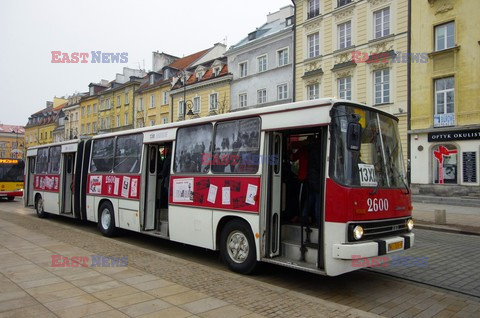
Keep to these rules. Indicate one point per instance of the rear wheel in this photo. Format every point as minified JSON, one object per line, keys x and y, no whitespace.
{"x":106,"y":219}
{"x":10,"y":198}
{"x":237,"y":247}
{"x":39,"y":208}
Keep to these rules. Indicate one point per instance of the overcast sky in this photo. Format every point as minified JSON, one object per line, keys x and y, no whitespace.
{"x":31,"y":29}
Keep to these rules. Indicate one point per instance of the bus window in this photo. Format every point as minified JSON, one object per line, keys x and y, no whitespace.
{"x":42,"y":161}
{"x":237,"y":146}
{"x":54,"y":160}
{"x":194,"y":146}
{"x":102,"y":155}
{"x":128,"y":154}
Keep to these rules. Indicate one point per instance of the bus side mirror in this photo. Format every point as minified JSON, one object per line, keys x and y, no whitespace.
{"x":354,"y":134}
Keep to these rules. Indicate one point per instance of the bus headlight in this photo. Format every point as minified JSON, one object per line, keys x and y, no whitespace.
{"x":410,"y":224}
{"x":357,"y":232}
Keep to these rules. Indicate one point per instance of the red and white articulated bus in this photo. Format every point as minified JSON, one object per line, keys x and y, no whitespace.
{"x":314,"y":185}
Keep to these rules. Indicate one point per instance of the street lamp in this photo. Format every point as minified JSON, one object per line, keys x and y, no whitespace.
{"x":185,"y":101}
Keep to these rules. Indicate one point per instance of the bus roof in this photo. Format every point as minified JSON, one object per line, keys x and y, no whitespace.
{"x":324,"y":102}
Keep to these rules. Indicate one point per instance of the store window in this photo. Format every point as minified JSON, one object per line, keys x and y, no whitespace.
{"x":445,"y":164}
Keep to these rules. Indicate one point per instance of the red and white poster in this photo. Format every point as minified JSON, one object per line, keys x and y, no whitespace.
{"x":114,"y":186}
{"x":49,"y":183}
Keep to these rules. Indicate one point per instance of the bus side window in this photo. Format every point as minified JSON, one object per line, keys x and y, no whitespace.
{"x":69,"y":163}
{"x":153,"y":155}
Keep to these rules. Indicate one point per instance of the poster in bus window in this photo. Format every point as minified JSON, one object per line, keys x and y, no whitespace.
{"x":125,"y":187}
{"x":116,"y":186}
{"x":212,"y":193}
{"x":251,"y":193}
{"x":134,"y":188}
{"x":183,"y":190}
{"x":226,"y":195}
{"x":95,"y":184}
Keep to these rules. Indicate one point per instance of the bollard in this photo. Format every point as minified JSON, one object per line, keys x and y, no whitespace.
{"x":441,"y":217}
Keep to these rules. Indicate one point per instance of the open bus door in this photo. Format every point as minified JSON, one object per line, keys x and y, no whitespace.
{"x":275,"y":190}
{"x":67,"y":189}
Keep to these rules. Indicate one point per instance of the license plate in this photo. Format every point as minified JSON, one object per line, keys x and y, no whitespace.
{"x":395,"y":246}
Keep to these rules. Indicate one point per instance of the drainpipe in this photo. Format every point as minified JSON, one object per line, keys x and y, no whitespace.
{"x":409,"y":91}
{"x":294,"y":49}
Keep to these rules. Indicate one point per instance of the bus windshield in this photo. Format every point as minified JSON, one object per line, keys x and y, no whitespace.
{"x":378,"y":162}
{"x":11,"y":170}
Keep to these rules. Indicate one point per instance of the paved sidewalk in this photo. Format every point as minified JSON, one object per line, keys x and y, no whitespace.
{"x":460,"y":219}
{"x":30,"y":286}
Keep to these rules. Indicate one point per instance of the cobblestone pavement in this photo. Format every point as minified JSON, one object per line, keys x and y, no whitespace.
{"x":453,"y":261}
{"x":274,"y":292}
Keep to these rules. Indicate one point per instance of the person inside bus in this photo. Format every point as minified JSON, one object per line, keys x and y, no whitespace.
{"x":165,"y":175}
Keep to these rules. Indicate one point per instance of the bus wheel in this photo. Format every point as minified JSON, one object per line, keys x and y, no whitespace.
{"x":10,"y":198}
{"x":39,"y":208}
{"x":237,"y":247}
{"x":106,"y":219}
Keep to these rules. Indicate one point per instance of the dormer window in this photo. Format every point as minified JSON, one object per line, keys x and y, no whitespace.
{"x":152,"y":79}
{"x":289,"y":21}
{"x":252,"y":35}
{"x":92,"y":90}
{"x":216,"y":71}
{"x":200,"y":75}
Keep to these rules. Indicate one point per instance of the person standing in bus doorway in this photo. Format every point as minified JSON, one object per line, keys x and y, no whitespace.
{"x":165,"y":174}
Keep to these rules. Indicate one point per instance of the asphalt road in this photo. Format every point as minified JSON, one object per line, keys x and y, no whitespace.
{"x":393,"y":291}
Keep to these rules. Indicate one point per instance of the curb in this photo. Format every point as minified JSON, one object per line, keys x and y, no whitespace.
{"x":445,"y":229}
{"x":458,"y":201}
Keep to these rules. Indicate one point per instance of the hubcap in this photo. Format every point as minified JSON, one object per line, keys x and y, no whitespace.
{"x":237,"y":246}
{"x":106,"y":219}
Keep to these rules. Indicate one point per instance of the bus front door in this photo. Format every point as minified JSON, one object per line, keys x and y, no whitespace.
{"x":151,"y":186}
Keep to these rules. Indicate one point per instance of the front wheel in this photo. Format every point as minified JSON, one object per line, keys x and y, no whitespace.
{"x":237,"y":247}
{"x":106,"y":219}
{"x":39,"y":208}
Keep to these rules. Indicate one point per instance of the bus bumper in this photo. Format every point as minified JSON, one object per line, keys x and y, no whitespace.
{"x":376,"y":248}
{"x":4,"y":194}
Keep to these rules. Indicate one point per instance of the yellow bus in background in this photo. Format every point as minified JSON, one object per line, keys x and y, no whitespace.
{"x":11,"y":178}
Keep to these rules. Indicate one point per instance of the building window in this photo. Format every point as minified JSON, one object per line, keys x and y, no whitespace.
{"x":118,"y":101}
{"x":345,"y":35}
{"x":152,"y":101}
{"x":107,"y":103}
{"x":313,"y":91}
{"x":382,"y":23}
{"x":127,"y":101}
{"x":262,"y":63}
{"x":444,"y":36}
{"x":94,"y":108}
{"x":152,"y":122}
{"x":164,"y":120}
{"x":125,"y":119}
{"x":213,"y":101}
{"x":118,"y":120}
{"x":140,"y":106}
{"x":88,"y":110}
{"x":94,"y":127}
{"x":382,"y":86}
{"x":243,"y":69}
{"x":196,"y":105}
{"x":216,"y":71}
{"x":341,"y":3}
{"x":83,"y":130}
{"x":444,"y":164}
{"x":242,"y":100}
{"x":102,"y":105}
{"x":345,"y":88}
{"x":313,"y":41}
{"x":165,"y":98}
{"x":88,"y":128}
{"x":107,"y":124}
{"x":282,"y":91}
{"x":262,"y":96}
{"x":444,"y":102}
{"x":180,"y":108}
{"x":313,"y":8}
{"x":83,"y":111}
{"x":282,"y":56}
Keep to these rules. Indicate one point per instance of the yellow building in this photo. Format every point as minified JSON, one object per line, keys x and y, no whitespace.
{"x":152,"y":100}
{"x":355,"y":50}
{"x":207,"y":90}
{"x":89,"y":111}
{"x":40,"y":126}
{"x":12,"y":141}
{"x":445,"y":97}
